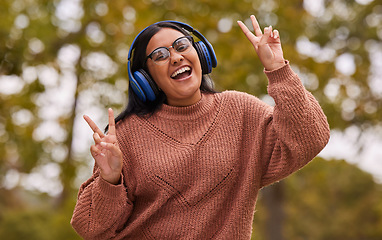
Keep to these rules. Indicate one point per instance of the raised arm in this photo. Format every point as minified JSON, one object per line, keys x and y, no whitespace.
{"x":297,"y":128}
{"x":102,"y":205}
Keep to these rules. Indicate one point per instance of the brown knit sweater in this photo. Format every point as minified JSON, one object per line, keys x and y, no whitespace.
{"x":195,"y":172}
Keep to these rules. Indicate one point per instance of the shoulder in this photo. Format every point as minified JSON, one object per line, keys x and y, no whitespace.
{"x":238,"y":98}
{"x":125,"y":127}
{"x":233,"y":94}
{"x":236,"y":101}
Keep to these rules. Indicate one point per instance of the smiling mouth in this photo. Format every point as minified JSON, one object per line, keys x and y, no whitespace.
{"x":181,"y":73}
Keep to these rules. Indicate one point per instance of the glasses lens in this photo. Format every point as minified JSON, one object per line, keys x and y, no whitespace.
{"x":182,"y":45}
{"x":160,"y":55}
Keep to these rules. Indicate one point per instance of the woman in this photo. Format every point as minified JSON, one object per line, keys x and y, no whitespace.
{"x":187,"y":162}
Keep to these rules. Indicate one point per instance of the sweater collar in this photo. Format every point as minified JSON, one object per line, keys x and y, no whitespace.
{"x":194,"y":111}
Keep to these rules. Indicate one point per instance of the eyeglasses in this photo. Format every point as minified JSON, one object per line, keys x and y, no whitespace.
{"x":162,"y":55}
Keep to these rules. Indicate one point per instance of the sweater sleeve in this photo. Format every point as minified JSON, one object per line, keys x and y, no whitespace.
{"x":101,"y":209}
{"x":297,"y":130}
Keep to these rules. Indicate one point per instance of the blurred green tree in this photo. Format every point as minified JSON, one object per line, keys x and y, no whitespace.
{"x":62,"y":58}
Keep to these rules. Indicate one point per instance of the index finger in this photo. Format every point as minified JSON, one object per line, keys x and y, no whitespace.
{"x":111,"y":122}
{"x":251,"y":37}
{"x":243,"y":27}
{"x":93,"y":126}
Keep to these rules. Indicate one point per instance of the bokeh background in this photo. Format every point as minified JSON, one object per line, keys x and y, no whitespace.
{"x":61,"y":59}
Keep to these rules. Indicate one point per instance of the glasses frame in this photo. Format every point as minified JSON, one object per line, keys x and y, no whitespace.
{"x":189,"y":37}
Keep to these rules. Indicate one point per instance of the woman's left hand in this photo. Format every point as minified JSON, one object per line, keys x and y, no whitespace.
{"x":267,"y":45}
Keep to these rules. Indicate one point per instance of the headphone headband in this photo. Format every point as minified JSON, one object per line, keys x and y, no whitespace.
{"x":183,"y":25}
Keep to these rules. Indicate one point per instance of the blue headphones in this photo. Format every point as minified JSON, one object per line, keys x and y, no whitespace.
{"x":141,"y":82}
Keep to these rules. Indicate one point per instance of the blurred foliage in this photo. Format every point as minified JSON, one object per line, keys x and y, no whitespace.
{"x":62,"y":58}
{"x":327,"y":200}
{"x":36,"y":218}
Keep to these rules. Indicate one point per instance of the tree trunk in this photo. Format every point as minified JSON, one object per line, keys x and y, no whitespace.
{"x":273,"y":202}
{"x":68,"y":168}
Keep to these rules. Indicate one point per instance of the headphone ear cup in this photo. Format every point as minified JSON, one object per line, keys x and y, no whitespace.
{"x":137,"y":89}
{"x":150,"y":81}
{"x":147,"y":85}
{"x":204,"y":56}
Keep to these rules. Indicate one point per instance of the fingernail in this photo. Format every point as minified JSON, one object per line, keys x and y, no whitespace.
{"x":103,"y":144}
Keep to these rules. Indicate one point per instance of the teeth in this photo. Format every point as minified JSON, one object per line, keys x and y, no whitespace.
{"x":182,"y":70}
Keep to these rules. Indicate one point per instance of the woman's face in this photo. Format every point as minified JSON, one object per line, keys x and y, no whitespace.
{"x":181,"y":76}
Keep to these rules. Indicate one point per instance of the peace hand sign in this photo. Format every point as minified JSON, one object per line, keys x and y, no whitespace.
{"x":105,"y":151}
{"x":267,"y":45}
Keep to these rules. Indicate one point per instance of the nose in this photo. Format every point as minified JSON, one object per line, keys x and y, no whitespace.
{"x":175,"y":57}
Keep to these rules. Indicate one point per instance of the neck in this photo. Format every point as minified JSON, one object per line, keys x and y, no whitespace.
{"x":185,"y":102}
{"x":194,"y":111}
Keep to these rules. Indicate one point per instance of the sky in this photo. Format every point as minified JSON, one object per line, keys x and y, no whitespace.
{"x":347,"y":145}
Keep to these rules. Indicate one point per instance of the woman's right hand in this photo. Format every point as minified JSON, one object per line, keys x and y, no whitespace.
{"x":105,"y":151}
